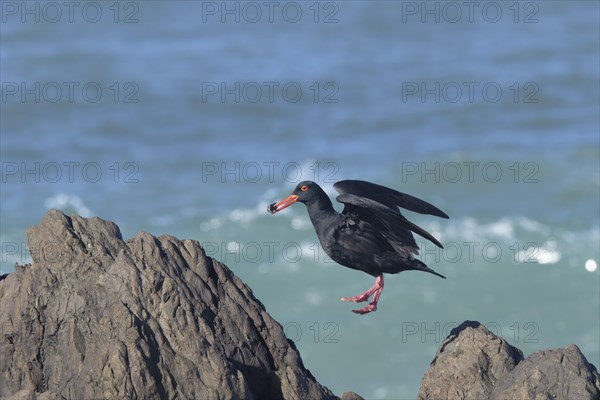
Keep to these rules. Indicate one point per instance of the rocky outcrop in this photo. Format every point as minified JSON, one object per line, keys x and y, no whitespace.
{"x":551,"y":374}
{"x":468,"y":364}
{"x":473,"y":363}
{"x":96,"y":316}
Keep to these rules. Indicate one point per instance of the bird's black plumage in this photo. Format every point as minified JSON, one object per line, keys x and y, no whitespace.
{"x":370,"y":234}
{"x":389,"y":197}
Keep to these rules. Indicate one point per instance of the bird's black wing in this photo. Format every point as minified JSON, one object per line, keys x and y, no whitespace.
{"x":394,"y":227}
{"x":388,"y":197}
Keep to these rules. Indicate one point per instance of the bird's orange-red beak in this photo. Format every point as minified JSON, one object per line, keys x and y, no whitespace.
{"x":288,"y":201}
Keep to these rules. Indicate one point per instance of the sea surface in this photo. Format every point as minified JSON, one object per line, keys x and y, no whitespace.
{"x":189,"y":118}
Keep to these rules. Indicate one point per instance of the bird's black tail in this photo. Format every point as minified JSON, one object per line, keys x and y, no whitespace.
{"x":420,"y":266}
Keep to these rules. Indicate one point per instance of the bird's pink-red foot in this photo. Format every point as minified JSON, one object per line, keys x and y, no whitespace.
{"x":376,"y":289}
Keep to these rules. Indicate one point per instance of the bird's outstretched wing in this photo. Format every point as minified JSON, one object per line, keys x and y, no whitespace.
{"x":387,"y":197}
{"x":396,"y":226}
{"x":386,"y":215}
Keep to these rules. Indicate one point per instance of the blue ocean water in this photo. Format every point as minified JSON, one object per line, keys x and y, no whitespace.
{"x":189,"y":118}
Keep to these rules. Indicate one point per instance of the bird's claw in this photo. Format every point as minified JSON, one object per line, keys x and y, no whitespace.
{"x":375,"y":290}
{"x":367,"y":309}
{"x":356,"y":299}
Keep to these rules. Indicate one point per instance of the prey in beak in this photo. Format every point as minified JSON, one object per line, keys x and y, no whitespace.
{"x":288,"y":201}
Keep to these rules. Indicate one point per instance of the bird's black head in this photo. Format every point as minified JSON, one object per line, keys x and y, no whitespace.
{"x":304,"y":192}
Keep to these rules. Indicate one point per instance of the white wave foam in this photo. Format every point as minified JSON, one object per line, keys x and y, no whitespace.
{"x":507,"y":229}
{"x":297,"y":222}
{"x":64,"y":201}
{"x":545,"y":254}
{"x":213,"y":223}
{"x":300,"y":223}
{"x":470,"y":229}
{"x":532,"y":226}
{"x":233,"y":246}
{"x":246,"y":215}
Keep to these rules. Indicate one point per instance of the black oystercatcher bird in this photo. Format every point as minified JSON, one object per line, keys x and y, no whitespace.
{"x":370,"y":234}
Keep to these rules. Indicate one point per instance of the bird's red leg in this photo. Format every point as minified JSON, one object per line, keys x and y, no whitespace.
{"x":377,"y":288}
{"x":364,"y":296}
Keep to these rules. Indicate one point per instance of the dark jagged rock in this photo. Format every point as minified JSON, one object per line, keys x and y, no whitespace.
{"x":473,"y":363}
{"x":351,"y":396}
{"x":551,"y":374}
{"x":468,"y":364}
{"x":95,"y":316}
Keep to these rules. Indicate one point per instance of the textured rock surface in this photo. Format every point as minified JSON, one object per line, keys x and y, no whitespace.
{"x":95,"y":316}
{"x":551,"y":374}
{"x":473,"y":363}
{"x":468,"y":364}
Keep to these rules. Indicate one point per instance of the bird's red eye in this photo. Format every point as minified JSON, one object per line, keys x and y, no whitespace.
{"x":304,"y":188}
